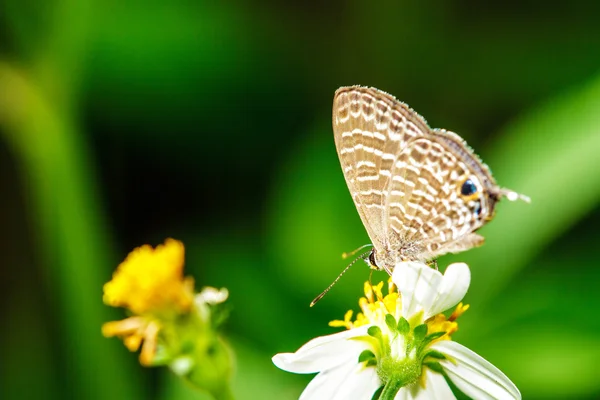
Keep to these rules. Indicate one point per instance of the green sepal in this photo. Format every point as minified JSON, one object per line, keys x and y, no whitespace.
{"x":366,"y":355}
{"x":371,"y":363}
{"x":431,"y":337}
{"x":374,"y":331}
{"x":420,"y":332}
{"x":377,"y":393}
{"x":435,"y":354}
{"x":390,"y":321}
{"x":403,"y":326}
{"x":434,"y":366}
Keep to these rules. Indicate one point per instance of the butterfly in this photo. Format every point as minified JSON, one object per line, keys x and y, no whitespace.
{"x":420,"y":192}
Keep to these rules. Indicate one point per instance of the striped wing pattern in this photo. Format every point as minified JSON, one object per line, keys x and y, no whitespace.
{"x":370,"y":129}
{"x":425,"y":212}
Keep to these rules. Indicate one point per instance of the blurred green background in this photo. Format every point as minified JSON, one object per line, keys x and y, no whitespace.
{"x":122,"y":123}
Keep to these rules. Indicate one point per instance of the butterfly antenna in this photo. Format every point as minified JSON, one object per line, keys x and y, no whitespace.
{"x":353,"y":252}
{"x":319,"y":297}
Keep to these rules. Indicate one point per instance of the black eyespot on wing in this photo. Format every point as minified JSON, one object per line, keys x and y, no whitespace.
{"x":468,"y":188}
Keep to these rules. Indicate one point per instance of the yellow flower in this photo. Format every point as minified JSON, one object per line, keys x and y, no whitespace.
{"x":134,"y":331}
{"x":173,"y":325}
{"x":151,"y":285}
{"x":151,"y":280}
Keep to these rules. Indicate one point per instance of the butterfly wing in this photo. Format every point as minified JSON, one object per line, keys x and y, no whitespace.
{"x":430,"y":210}
{"x":371,"y":128}
{"x":420,"y":192}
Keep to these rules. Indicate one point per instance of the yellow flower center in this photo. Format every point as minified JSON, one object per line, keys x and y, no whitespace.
{"x":151,"y":280}
{"x":375,"y":306}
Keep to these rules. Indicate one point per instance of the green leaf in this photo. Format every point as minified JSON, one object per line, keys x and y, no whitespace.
{"x":71,"y":237}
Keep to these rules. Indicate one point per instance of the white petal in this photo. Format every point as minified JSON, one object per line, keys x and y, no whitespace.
{"x":348,"y":381}
{"x":475,"y":376}
{"x":424,"y":288}
{"x":415,"y":282}
{"x":455,"y":284}
{"x":435,"y":388}
{"x":403,"y":394}
{"x":212,"y":295}
{"x":326,"y":382}
{"x":324,"y":352}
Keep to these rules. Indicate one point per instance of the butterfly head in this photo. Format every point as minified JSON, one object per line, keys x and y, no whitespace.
{"x":481,"y":197}
{"x":370,"y":260}
{"x":383,"y":261}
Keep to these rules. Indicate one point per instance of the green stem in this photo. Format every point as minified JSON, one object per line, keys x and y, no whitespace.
{"x":72,"y":234}
{"x":390,"y":390}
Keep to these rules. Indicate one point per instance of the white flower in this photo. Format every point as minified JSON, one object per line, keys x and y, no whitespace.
{"x":400,"y":345}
